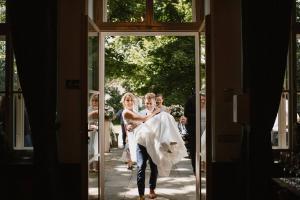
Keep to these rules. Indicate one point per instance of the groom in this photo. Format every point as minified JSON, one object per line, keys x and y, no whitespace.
{"x":142,"y":156}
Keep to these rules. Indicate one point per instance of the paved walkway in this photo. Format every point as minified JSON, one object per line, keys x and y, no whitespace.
{"x":120,"y":183}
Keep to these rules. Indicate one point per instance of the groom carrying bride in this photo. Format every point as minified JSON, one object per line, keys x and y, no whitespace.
{"x":143,"y":156}
{"x":158,"y":140}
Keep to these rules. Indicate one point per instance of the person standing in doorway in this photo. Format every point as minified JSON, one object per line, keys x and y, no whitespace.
{"x":158,"y":139}
{"x":143,"y":156}
{"x":123,"y":129}
{"x":189,"y":113}
{"x":93,"y":118}
{"x":159,"y":102}
{"x":132,"y":120}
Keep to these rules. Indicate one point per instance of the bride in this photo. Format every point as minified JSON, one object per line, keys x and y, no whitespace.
{"x":157,"y":132}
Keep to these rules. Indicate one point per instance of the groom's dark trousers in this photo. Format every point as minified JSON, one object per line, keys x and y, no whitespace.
{"x":142,"y":156}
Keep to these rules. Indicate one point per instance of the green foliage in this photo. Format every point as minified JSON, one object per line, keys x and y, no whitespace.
{"x":2,"y":11}
{"x":173,"y":11}
{"x":126,"y":10}
{"x":161,"y":64}
{"x":114,"y":98}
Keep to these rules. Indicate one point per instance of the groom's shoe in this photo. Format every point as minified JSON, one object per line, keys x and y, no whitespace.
{"x":141,"y":198}
{"x":152,"y":194}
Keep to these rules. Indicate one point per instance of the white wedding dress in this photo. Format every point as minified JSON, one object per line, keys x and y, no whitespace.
{"x":130,"y":138}
{"x":164,"y":144}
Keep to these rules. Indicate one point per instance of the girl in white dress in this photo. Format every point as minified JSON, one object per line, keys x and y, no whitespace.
{"x":157,"y":132}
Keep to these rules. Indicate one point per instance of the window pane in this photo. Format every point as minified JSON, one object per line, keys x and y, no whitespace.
{"x":21,"y":127}
{"x":298,"y":69}
{"x":173,"y":11}
{"x":298,"y":62}
{"x":2,"y":11}
{"x":27,"y":130}
{"x":93,"y":63}
{"x":297,"y":10}
{"x":3,"y":110}
{"x":279,"y":133}
{"x":91,"y":8}
{"x":16,"y":83}
{"x":2,"y":62}
{"x":125,"y":11}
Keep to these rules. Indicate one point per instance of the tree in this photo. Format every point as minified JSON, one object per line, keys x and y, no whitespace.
{"x":114,"y":99}
{"x":160,"y":64}
{"x":126,"y":10}
{"x":173,"y":11}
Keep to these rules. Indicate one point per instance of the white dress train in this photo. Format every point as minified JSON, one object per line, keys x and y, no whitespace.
{"x":164,"y":144}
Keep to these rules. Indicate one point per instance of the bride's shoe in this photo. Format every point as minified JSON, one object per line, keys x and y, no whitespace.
{"x":168,"y":147}
{"x":165,"y":147}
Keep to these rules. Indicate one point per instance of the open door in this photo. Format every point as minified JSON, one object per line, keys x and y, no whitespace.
{"x":93,"y":109}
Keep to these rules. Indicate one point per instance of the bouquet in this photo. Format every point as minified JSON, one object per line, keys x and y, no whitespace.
{"x":176,"y":111}
{"x":109,"y":112}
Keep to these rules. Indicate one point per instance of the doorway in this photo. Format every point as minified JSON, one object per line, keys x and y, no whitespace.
{"x":103,"y":178}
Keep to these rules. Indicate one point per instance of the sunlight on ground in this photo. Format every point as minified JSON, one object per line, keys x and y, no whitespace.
{"x":182,"y":169}
{"x":175,"y":179}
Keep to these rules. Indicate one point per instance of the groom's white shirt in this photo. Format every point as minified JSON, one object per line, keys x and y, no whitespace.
{"x":144,"y":112}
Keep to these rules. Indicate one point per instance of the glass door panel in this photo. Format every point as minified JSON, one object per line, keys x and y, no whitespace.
{"x":93,"y":113}
{"x":91,"y":9}
{"x":203,"y":109}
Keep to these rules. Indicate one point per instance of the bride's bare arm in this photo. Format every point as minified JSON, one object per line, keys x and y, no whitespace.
{"x":137,"y":117}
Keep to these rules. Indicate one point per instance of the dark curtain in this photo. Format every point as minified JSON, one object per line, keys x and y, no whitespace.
{"x":33,"y":33}
{"x":265,"y":28}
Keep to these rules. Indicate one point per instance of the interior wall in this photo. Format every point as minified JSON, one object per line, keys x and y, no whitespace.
{"x":225,"y":80}
{"x":72,"y":108}
{"x":226,"y":62}
{"x":71,"y":52}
